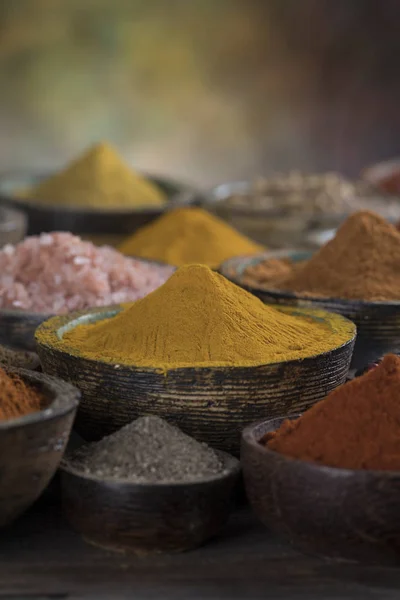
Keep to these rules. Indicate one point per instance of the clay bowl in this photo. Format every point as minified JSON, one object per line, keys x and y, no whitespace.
{"x":148,"y":518}
{"x":378,"y":323}
{"x":335,"y":513}
{"x":86,"y":222}
{"x":17,"y":327}
{"x":211,"y":404}
{"x":32,"y":446}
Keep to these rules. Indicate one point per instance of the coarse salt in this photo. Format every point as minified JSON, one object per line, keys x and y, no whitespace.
{"x":58,"y":272}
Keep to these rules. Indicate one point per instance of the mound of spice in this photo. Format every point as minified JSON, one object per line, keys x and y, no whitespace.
{"x":189,"y":235}
{"x":200,"y":318}
{"x":98,"y":179}
{"x":18,"y":358}
{"x":301,"y":193}
{"x":357,"y":426}
{"x":58,"y":272}
{"x":148,"y":450}
{"x":360,"y":263}
{"x":16,"y":397}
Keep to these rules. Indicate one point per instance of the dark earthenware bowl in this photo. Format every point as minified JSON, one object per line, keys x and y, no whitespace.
{"x":336,"y":513}
{"x":32,"y":446}
{"x":211,"y":404}
{"x":13,"y":225}
{"x":378,"y":323}
{"x":19,"y":359}
{"x":45,"y":217}
{"x":17,"y":327}
{"x":146,"y":518}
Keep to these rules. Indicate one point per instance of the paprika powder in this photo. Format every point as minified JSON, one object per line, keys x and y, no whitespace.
{"x":357,"y":426}
{"x":16,"y":397}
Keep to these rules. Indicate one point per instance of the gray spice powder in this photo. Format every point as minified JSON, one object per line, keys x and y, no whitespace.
{"x":148,"y":450}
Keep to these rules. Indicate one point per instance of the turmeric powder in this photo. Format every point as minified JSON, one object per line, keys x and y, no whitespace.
{"x":199,"y":318}
{"x":188,"y":235}
{"x":98,"y":179}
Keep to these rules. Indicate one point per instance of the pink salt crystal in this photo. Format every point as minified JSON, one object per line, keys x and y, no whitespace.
{"x":58,"y":272}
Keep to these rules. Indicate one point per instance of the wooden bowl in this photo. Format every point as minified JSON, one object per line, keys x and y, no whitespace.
{"x":210,"y":404}
{"x":32,"y":446}
{"x":86,"y":222}
{"x":144,"y":518}
{"x":336,"y":513}
{"x":378,"y":323}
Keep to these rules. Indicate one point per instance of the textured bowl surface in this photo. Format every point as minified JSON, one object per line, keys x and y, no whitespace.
{"x":211,"y":404}
{"x":337,"y":513}
{"x":146,"y":518}
{"x":17,"y":328}
{"x":13,"y":225}
{"x":45,"y":217}
{"x":32,"y":446}
{"x":378,"y":323}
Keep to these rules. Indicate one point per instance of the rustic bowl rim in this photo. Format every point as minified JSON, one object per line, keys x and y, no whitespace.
{"x":230,"y":263}
{"x":249,"y":437}
{"x":12,"y":219}
{"x":65,"y":399}
{"x":55,"y":323}
{"x":232,"y":468}
{"x":183,"y":196}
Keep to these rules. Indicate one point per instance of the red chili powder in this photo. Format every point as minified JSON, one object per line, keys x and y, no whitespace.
{"x":357,"y":426}
{"x":16,"y":397}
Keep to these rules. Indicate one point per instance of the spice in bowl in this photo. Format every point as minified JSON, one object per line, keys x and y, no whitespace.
{"x":58,"y":272}
{"x":360,"y":263}
{"x":17,"y":399}
{"x":357,"y":426}
{"x":312,"y":194}
{"x":199,"y":318}
{"x":148,"y":450}
{"x":189,"y":235}
{"x":100,"y":180}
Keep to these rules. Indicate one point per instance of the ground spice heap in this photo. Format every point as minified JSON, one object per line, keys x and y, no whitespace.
{"x":16,"y":397}
{"x":189,"y":235}
{"x":360,"y":263}
{"x":357,"y":426}
{"x":200,"y":318}
{"x":148,"y":450}
{"x":58,"y":272}
{"x":98,"y":179}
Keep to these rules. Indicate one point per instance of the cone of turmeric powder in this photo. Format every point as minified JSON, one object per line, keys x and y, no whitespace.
{"x":189,"y":235}
{"x":99,"y":179}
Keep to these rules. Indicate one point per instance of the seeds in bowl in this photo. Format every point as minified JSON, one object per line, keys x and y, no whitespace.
{"x":148,"y":450}
{"x":58,"y":272}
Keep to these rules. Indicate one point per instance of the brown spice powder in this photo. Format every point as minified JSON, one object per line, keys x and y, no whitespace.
{"x":17,"y":398}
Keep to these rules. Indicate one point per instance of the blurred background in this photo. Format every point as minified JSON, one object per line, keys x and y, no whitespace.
{"x":206,"y":90}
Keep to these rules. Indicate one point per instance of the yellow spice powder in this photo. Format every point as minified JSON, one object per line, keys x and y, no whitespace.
{"x":199,"y":318}
{"x":188,"y":236}
{"x":98,"y":179}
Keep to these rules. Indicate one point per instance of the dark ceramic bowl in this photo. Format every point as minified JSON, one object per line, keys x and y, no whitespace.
{"x":86,"y":222}
{"x":17,"y":327}
{"x":211,"y":404}
{"x":31,"y":447}
{"x":13,"y":226}
{"x":336,"y":513}
{"x":19,"y":359}
{"x":378,"y":323}
{"x":147,"y":518}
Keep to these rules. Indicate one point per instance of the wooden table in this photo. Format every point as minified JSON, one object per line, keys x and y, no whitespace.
{"x":42,"y":559}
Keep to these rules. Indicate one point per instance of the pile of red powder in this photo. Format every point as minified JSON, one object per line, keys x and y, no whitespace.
{"x":58,"y":273}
